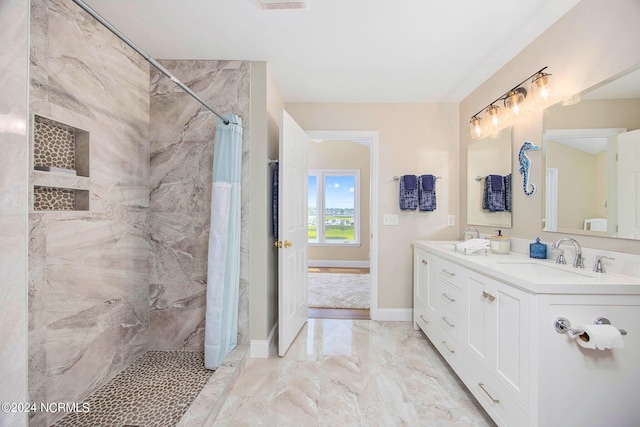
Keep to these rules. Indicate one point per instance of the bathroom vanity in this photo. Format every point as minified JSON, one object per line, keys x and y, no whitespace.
{"x":493,"y":318}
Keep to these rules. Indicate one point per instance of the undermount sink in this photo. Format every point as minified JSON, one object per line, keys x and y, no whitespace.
{"x":535,"y":270}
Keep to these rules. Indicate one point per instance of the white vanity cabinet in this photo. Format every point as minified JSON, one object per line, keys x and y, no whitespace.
{"x":497,"y":333}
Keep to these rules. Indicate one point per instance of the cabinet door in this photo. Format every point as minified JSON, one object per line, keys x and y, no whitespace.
{"x":510,"y":338}
{"x":479,"y":319}
{"x":423,"y":295}
{"x":498,"y":332}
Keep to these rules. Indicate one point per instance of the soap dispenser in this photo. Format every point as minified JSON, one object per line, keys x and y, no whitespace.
{"x":500,"y":244}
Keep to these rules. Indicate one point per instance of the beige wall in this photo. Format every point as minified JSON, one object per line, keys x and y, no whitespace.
{"x":593,"y":114}
{"x":593,"y":42}
{"x":266,"y":104}
{"x":344,"y":155}
{"x":413,"y":139}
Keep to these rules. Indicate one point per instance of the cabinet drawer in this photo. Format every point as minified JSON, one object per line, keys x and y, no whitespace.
{"x":451,"y":297}
{"x":495,"y":399}
{"x":450,"y":272}
{"x":424,"y":319}
{"x":450,"y":350}
{"x":450,"y":323}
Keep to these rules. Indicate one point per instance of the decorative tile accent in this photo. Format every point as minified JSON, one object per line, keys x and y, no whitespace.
{"x":53,"y":199}
{"x":155,"y":391}
{"x":54,"y":144}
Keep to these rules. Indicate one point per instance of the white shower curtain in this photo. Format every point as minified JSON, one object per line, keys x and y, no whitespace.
{"x":223,"y":276}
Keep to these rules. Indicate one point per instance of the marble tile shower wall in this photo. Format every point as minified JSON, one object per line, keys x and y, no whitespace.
{"x":182,"y":141}
{"x":89,"y":270}
{"x":14,"y":20}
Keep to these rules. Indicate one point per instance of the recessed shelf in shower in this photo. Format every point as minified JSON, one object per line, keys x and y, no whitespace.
{"x":61,"y":165}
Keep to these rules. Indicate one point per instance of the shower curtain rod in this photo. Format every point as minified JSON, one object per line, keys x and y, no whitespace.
{"x":146,"y":56}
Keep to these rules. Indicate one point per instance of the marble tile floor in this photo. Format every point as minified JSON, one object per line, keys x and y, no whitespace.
{"x":162,"y":388}
{"x":343,"y":372}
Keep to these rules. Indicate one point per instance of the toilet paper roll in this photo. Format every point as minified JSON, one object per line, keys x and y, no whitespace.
{"x":599,"y":337}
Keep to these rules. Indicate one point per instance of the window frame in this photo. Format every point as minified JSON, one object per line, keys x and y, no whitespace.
{"x":320,"y":175}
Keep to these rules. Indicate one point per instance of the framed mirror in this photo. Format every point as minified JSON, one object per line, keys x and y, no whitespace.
{"x":489,"y":158}
{"x":591,"y":154}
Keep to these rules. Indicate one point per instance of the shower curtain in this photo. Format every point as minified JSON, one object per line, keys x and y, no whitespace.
{"x":223,"y":275}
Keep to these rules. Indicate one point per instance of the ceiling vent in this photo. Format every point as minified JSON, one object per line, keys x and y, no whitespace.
{"x":283,"y":4}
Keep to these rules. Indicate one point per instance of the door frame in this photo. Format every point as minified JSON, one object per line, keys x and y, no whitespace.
{"x":370,"y":139}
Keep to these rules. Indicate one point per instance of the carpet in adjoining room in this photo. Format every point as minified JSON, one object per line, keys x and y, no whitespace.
{"x":339,"y":290}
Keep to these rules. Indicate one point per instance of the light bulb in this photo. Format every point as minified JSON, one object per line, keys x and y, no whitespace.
{"x":494,"y":115}
{"x":514,"y":99}
{"x":541,"y":89}
{"x":475,"y":126}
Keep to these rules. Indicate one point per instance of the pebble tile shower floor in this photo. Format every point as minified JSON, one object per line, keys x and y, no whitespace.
{"x":156,"y":390}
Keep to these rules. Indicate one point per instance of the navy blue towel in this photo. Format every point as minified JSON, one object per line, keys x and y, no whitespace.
{"x":496,"y":182}
{"x":274,"y":202}
{"x":493,"y":200}
{"x":408,"y":192}
{"x":427,"y":193}
{"x":507,"y":193}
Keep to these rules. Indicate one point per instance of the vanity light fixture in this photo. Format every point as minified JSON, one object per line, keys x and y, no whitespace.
{"x":516,"y":102}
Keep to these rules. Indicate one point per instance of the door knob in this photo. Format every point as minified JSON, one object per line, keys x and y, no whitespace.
{"x":281,"y":244}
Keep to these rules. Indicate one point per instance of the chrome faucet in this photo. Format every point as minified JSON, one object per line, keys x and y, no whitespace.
{"x":578,"y":262}
{"x":470,"y":230}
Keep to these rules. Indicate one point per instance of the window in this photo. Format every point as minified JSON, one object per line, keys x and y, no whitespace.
{"x":334,"y":206}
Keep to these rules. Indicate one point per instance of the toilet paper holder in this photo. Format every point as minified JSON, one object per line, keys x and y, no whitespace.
{"x":562,"y":325}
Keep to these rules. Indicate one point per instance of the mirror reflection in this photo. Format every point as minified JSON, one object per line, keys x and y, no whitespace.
{"x":592,"y":161}
{"x":489,"y":181}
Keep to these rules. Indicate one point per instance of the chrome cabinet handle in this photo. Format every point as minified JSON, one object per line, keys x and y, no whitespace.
{"x":448,"y":297}
{"x":444,"y":319}
{"x":487,"y":393}
{"x":488,"y":296}
{"x":444,"y":270}
{"x":425,"y":262}
{"x":444,"y":343}
{"x":423,"y":319}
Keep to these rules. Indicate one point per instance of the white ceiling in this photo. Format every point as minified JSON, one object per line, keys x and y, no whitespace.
{"x":367,"y":51}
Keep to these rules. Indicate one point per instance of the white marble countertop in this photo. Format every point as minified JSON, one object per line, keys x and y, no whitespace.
{"x":536,"y":276}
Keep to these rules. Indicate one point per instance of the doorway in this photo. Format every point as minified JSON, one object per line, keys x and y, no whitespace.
{"x":342,"y":249}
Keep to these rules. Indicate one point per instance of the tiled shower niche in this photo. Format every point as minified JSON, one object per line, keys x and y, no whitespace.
{"x":60,"y":175}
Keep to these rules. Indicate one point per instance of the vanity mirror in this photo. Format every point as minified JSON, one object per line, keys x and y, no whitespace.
{"x":592,"y":161}
{"x":489,"y":156}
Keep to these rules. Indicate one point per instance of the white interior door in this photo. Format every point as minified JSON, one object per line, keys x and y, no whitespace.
{"x":292,"y":225}
{"x":629,"y":184}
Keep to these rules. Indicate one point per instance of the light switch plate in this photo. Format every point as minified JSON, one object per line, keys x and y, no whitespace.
{"x":451,"y":220}
{"x":390,"y":219}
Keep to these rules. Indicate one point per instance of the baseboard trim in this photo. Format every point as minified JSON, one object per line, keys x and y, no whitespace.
{"x":395,"y":314}
{"x":260,"y":349}
{"x":340,"y":263}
